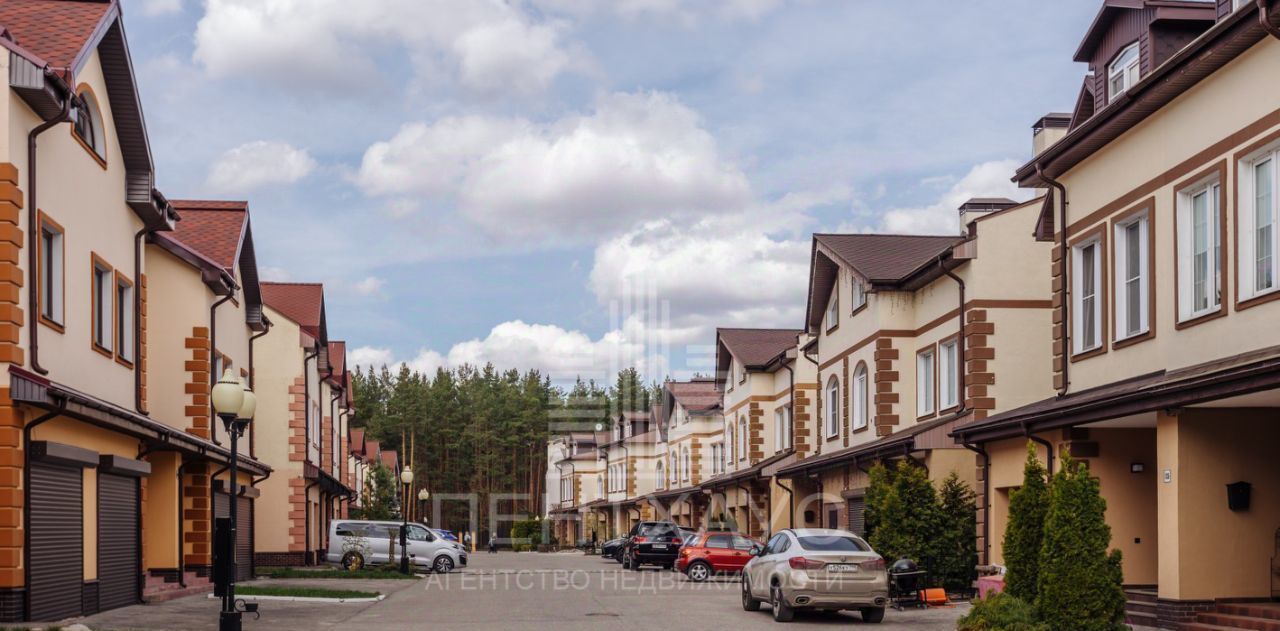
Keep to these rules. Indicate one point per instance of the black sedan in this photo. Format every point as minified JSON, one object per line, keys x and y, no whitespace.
{"x":612,"y":549}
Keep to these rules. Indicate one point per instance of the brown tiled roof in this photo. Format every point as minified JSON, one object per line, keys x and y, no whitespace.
{"x":215,"y":229}
{"x":697,"y":395}
{"x":56,"y":30}
{"x":389,"y":459}
{"x":886,"y":257}
{"x":301,"y":302}
{"x":338,"y":360}
{"x":756,"y":347}
{"x":356,"y":440}
{"x":371,"y":447}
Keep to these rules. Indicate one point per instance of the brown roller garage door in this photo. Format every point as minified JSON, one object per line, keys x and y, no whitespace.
{"x":57,"y":541}
{"x":117,"y":541}
{"x":858,"y":516}
{"x":244,"y":532}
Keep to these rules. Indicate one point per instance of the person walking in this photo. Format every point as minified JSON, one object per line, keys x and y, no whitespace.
{"x":493,"y":543}
{"x":466,"y":541}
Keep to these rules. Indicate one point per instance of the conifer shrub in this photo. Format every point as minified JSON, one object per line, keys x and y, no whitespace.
{"x":1024,"y":533}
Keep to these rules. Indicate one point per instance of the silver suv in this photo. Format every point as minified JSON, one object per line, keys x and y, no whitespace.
{"x":816,"y":568}
{"x":356,"y":543}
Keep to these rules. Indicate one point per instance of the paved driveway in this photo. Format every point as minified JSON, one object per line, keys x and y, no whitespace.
{"x":518,"y":591}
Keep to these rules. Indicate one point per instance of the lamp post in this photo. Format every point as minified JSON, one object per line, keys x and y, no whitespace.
{"x":406,"y":478}
{"x":423,"y":496}
{"x":235,"y":404}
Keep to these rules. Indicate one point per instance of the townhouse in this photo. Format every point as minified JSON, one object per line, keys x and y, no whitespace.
{"x":1165,"y":359}
{"x":694,"y":430}
{"x":301,"y":378}
{"x":575,"y":484}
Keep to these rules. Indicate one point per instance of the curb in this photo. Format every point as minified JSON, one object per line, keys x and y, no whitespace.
{"x":309,"y":599}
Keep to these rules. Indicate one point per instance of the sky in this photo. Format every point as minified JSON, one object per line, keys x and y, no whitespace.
{"x":578,"y":186}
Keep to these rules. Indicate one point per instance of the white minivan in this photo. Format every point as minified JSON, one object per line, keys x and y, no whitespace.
{"x":355,"y":543}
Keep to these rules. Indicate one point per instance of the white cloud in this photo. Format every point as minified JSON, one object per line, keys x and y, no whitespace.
{"x":686,"y":13}
{"x":257,"y":164}
{"x":369,"y":286}
{"x":493,"y":46}
{"x":274,"y":274}
{"x":989,"y":179}
{"x":636,"y":156}
{"x":153,"y":8}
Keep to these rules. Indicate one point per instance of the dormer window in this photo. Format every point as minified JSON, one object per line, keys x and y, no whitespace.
{"x":87,"y":125}
{"x":859,"y":295}
{"x":1123,"y":72}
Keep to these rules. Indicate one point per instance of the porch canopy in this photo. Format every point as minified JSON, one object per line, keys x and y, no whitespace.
{"x":932,"y":434}
{"x":1233,"y":376}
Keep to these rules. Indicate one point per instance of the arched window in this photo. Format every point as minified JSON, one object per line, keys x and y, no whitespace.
{"x":833,"y":406}
{"x":661,"y":476}
{"x":731,"y":444}
{"x":742,"y":438}
{"x":675,"y":469}
{"x":687,"y":466}
{"x":1123,"y":72}
{"x":87,"y":125}
{"x":858,"y":398}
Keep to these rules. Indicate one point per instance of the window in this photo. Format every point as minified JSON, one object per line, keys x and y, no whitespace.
{"x":924,"y":383}
{"x":661,"y":476}
{"x":833,"y":309}
{"x":782,"y":428}
{"x":675,"y":469}
{"x":103,"y":293}
{"x":742,"y":439}
{"x":719,"y":541}
{"x":1132,"y":272}
{"x":731,"y":443}
{"x":949,"y":374}
{"x":1123,"y":72}
{"x":87,"y":124}
{"x":858,"y":398}
{"x":124,"y":320}
{"x":600,"y":485}
{"x":50,"y":273}
{"x":1086,"y":312}
{"x":833,"y":407}
{"x":742,"y":375}
{"x":1199,"y":251}
{"x":859,"y":295}
{"x":684,"y":469}
{"x":1259,"y":239}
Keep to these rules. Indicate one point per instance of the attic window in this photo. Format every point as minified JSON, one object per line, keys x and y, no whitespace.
{"x":1123,"y":72}
{"x":87,"y":125}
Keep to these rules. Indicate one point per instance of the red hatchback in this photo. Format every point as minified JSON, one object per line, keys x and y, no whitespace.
{"x":713,"y":553}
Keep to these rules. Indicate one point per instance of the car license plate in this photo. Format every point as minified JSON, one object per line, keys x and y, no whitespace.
{"x":841,"y":568}
{"x":659,"y":546}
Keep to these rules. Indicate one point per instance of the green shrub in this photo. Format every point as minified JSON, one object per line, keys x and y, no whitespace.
{"x":1080,"y":583}
{"x":527,"y":532}
{"x":907,"y":515}
{"x":1000,"y":612}
{"x":957,"y":544}
{"x":1025,"y":532}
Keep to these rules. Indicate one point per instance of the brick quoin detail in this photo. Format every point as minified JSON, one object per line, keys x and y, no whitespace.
{"x":326,"y":449}
{"x":142,"y":342}
{"x":197,"y":387}
{"x":196,"y":514}
{"x":631,"y":476}
{"x":695,"y":462}
{"x":978,"y":350}
{"x":1058,"y":325}
{"x":844,"y":396}
{"x":297,"y":453}
{"x":802,"y":403}
{"x":755,"y":433}
{"x":11,"y":276}
{"x":886,"y":356}
{"x":11,"y":500}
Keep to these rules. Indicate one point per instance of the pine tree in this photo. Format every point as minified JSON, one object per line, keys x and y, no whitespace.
{"x":380,"y":495}
{"x":1025,"y":532}
{"x":957,"y":543}
{"x":908,"y":518}
{"x":1079,"y":584}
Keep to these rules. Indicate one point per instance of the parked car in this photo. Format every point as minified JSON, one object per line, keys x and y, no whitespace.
{"x":713,"y":553}
{"x":816,"y":568}
{"x":652,"y":542}
{"x":612,"y":549}
{"x":447,"y":535}
{"x":354,"y":544}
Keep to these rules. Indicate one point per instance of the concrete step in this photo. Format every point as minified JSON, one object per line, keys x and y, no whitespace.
{"x":1141,"y":619}
{"x":1269,"y":611}
{"x":1141,"y":595}
{"x":1200,"y":626}
{"x":1239,"y":622}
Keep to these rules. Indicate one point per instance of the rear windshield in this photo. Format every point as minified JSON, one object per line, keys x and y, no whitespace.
{"x":833,"y":544}
{"x":657,"y":530}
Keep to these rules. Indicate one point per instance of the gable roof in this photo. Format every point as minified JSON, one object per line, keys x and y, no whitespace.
{"x":338,"y":361}
{"x":880,"y":259}
{"x":355,"y":439}
{"x":754,"y":348}
{"x":59,"y":31}
{"x":303,"y":303}
{"x":696,"y":395}
{"x":216,"y":237}
{"x":390,"y":458}
{"x":1158,"y":10}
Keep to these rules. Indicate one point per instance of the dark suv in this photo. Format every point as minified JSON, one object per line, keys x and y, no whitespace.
{"x":652,"y":542}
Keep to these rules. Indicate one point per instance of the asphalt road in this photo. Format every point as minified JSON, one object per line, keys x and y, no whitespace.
{"x":566,"y":591}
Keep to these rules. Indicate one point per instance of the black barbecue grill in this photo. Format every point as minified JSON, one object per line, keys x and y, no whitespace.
{"x":906,"y":581}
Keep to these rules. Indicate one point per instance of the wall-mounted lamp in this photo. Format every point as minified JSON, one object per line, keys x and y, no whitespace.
{"x":1137,"y":467}
{"x":1238,"y":496}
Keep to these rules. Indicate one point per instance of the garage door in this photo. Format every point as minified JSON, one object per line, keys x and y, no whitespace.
{"x":117,"y":541}
{"x":858,"y":516}
{"x":57,"y":541}
{"x":244,"y":532}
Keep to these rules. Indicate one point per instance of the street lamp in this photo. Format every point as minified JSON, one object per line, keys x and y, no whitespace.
{"x":423,"y":496}
{"x":406,"y":478}
{"x":235,"y":404}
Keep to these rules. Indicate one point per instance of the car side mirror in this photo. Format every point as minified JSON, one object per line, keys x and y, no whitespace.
{"x":756,"y":551}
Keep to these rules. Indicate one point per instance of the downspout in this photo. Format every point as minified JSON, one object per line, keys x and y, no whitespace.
{"x":333,"y":426}
{"x":213,"y":348}
{"x":306,"y":520}
{"x":1264,"y":16}
{"x":986,"y":498}
{"x":137,"y":316}
{"x":792,"y":404}
{"x":253,"y":444}
{"x":1062,"y":274}
{"x":182,"y":547}
{"x":746,"y":497}
{"x":26,"y":496}
{"x":1048,"y":447}
{"x":306,"y":406}
{"x":791,"y":503}
{"x":963,"y":371}
{"x":33,"y":231}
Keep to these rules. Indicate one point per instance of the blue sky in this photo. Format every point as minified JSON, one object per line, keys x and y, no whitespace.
{"x":575,"y":185}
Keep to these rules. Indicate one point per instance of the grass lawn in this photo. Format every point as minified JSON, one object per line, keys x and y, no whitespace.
{"x":293,"y":572}
{"x":301,"y":592}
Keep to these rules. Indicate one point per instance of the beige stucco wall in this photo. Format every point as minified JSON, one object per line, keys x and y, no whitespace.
{"x":1238,"y":95}
{"x":160,"y":543}
{"x":278,"y":359}
{"x":177,"y":301}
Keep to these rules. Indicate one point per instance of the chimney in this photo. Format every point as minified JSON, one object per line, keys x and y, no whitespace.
{"x":979,"y":206}
{"x":1048,"y":130}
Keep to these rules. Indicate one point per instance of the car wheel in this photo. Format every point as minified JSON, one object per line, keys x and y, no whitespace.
{"x":748,"y":603}
{"x":782,"y":612}
{"x":698,"y":571}
{"x":352,"y":561}
{"x":626,"y":563}
{"x":635,"y":564}
{"x":443,"y":565}
{"x":873,"y":614}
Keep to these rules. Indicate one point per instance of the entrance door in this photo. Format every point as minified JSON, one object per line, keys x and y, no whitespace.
{"x":57,"y":541}
{"x":118,"y":557}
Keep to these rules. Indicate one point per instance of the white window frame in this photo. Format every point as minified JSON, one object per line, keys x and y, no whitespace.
{"x":1087,"y":296}
{"x":687,"y":464}
{"x":1211,"y":188}
{"x":661,"y":474}
{"x":859,"y":292}
{"x":743,"y":434}
{"x":948,"y":374}
{"x":1236,"y":4}
{"x":858,"y":398}
{"x":1126,"y":277}
{"x":103,"y":330}
{"x":926,"y":367}
{"x":833,"y":407}
{"x":52,"y":290}
{"x":1129,"y":73}
{"x":1247,"y":218}
{"x":833,"y":308}
{"x":124,"y":318}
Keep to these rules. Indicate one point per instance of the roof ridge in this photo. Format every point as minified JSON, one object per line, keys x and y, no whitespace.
{"x":295,"y":283}
{"x":888,"y":234}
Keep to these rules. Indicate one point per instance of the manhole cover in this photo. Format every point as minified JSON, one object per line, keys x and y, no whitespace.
{"x":602,"y":613}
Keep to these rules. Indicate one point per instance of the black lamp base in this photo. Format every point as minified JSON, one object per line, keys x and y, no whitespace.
{"x":229,"y":621}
